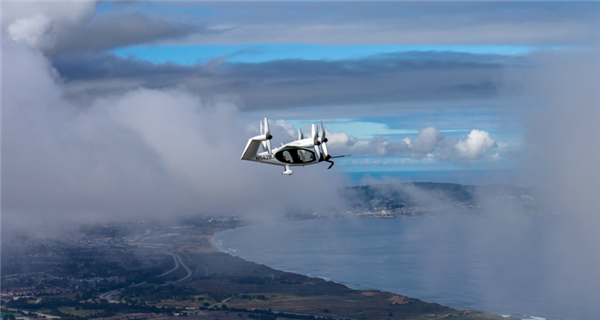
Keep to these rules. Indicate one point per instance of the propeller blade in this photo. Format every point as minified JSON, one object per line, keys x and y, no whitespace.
{"x":269,"y":146}
{"x":300,"y":134}
{"x":267,"y":131}
{"x":262,"y":131}
{"x":322,"y":141}
{"x":325,"y":153}
{"x":315,"y":134}
{"x":318,"y":153}
{"x":323,"y":138}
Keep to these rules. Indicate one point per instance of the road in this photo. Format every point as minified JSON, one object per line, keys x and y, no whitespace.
{"x":185,"y":267}
{"x":108,"y":295}
{"x":218,"y":303}
{"x":178,"y":262}
{"x":198,"y":269}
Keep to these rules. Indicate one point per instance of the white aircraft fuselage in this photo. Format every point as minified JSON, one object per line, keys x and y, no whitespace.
{"x":301,"y":152}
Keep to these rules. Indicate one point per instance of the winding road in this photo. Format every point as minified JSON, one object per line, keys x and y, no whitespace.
{"x":178,"y":262}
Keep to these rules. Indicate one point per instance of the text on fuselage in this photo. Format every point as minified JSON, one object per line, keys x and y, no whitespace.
{"x":265,"y":157}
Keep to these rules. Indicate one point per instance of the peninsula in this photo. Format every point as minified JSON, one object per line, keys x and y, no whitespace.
{"x":149,"y":270}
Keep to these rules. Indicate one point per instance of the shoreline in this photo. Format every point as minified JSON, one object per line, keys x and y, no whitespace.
{"x":363,"y":292}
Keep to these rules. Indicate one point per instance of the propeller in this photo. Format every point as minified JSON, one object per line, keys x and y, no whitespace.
{"x":264,"y":129}
{"x":267,"y":131}
{"x":322,"y":141}
{"x":300,"y":134}
{"x":269,"y":136}
{"x":318,"y":152}
{"x":315,"y":137}
{"x":315,"y":134}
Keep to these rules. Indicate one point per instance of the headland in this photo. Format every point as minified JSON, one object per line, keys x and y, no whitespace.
{"x":146,"y":270}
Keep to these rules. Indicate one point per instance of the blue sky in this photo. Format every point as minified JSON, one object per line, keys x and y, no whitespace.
{"x":369,"y":70}
{"x":145,"y":107}
{"x":263,"y":52}
{"x":452,"y":122}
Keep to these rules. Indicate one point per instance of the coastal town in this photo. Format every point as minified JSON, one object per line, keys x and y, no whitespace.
{"x":149,"y":269}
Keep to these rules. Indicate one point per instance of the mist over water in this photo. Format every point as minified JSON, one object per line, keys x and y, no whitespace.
{"x":510,"y":265}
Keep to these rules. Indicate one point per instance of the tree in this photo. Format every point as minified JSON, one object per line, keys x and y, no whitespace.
{"x":9,"y":316}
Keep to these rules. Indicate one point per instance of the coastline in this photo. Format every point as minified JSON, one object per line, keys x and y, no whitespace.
{"x":392,"y":298}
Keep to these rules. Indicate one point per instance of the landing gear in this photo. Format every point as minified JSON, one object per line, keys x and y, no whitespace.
{"x":287,"y":171}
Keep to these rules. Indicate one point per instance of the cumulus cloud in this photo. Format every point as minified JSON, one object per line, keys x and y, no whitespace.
{"x":478,"y":143}
{"x":429,"y":141}
{"x":426,"y":142}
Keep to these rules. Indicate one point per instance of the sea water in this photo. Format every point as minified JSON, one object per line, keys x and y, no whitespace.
{"x":528,"y":267}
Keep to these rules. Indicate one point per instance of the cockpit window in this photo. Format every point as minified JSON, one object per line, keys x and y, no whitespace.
{"x":287,"y":157}
{"x":295,"y":156}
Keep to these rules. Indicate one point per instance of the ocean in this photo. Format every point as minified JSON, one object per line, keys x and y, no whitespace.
{"x":523,"y":266}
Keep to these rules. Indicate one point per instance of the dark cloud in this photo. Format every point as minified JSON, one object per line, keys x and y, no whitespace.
{"x":284,"y":84}
{"x":114,"y":32}
{"x":506,"y":22}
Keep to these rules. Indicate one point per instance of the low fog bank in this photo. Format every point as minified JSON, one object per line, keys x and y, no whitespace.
{"x":562,"y":163}
{"x":389,"y":196}
{"x":146,"y":154}
{"x":563,"y":132}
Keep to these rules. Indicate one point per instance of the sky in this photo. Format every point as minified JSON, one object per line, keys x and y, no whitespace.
{"x":112,"y":107}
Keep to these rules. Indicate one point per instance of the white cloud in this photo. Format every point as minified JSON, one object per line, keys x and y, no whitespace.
{"x":31,"y":31}
{"x":286,"y":126}
{"x":146,"y":153}
{"x":426,"y":142}
{"x":37,"y":24}
{"x":478,"y":143}
{"x":430,"y":143}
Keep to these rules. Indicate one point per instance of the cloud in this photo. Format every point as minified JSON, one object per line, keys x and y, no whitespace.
{"x":120,"y":31}
{"x":562,"y":128}
{"x":139,"y":155}
{"x":280,"y":85}
{"x":31,"y":31}
{"x":429,"y":141}
{"x":477,"y":144}
{"x":509,"y":23}
{"x":563,"y":151}
{"x":426,"y":142}
{"x":38,"y":24}
{"x":48,"y":27}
